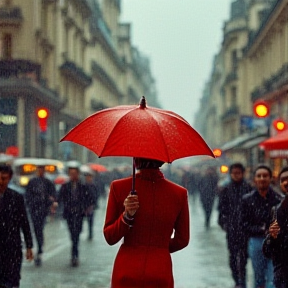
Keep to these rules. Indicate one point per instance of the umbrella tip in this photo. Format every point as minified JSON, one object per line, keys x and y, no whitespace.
{"x":142,"y":102}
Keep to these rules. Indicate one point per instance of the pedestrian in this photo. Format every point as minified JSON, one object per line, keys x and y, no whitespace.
{"x":13,"y":220}
{"x":40,"y":196}
{"x":77,"y":203}
{"x":146,"y":221}
{"x":275,"y":245}
{"x":94,"y":192}
{"x":208,"y":190}
{"x":256,"y":217}
{"x":230,"y":203}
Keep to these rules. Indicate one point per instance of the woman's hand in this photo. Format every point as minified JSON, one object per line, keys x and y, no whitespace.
{"x":131,"y":204}
{"x":274,"y":229}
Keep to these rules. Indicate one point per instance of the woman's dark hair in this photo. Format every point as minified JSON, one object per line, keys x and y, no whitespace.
{"x":236,"y":166}
{"x":284,"y":169}
{"x":6,"y":169}
{"x":263,"y":166}
{"x":144,"y":163}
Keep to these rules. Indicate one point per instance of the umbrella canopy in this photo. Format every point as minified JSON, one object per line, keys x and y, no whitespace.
{"x":139,"y":131}
{"x":278,"y":142}
{"x":97,"y":167}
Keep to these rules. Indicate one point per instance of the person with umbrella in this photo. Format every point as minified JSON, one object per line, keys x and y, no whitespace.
{"x":146,"y":222}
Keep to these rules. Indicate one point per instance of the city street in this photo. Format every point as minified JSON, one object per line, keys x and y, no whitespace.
{"x":203,"y":264}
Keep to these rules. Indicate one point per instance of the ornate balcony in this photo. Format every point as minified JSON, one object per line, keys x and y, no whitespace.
{"x":276,"y":81}
{"x":231,"y":112}
{"x":24,"y":77}
{"x":76,"y":73}
{"x":232,"y":76}
{"x":105,"y":78}
{"x":10,"y":16}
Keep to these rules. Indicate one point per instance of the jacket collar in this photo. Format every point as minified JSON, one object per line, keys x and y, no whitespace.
{"x":150,"y":174}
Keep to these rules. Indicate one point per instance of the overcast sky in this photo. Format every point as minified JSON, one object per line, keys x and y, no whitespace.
{"x":181,"y":38}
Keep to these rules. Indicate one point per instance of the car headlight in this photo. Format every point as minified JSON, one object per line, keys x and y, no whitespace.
{"x":24,"y":180}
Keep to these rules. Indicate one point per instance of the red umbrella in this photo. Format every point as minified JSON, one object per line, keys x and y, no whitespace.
{"x":278,"y":142}
{"x":97,"y":167}
{"x":139,"y":131}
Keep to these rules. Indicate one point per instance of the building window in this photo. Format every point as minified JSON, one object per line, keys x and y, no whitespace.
{"x":234,"y":59}
{"x":234,"y":96}
{"x":6,"y":46}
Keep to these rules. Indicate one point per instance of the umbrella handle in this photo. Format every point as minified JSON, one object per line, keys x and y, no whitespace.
{"x":133,"y":191}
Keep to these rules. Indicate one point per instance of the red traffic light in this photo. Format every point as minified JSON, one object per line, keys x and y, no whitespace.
{"x":217,"y":152}
{"x":261,"y":109}
{"x":42,"y":115}
{"x":280,"y":125}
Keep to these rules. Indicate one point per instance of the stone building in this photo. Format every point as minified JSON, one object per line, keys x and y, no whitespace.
{"x":232,"y":83}
{"x":72,"y":57}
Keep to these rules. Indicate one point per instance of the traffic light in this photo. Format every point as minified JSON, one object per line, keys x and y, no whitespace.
{"x":280,"y":125}
{"x":217,"y":152}
{"x":261,"y":109}
{"x":42,"y":114}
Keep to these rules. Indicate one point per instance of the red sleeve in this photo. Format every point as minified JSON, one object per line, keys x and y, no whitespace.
{"x":114,"y":227}
{"x":181,"y":228}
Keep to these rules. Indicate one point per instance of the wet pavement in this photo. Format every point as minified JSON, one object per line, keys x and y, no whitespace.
{"x":203,"y":264}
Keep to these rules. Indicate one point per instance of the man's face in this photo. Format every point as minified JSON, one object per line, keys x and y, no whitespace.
{"x":262,"y":179}
{"x":40,"y":171}
{"x":284,"y":182}
{"x":73,"y":174}
{"x":4,"y":181}
{"x":236,"y":175}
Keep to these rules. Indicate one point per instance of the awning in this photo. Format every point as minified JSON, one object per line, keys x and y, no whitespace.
{"x":253,"y":142}
{"x":235,"y":142}
{"x":245,"y":141}
{"x":278,"y":142}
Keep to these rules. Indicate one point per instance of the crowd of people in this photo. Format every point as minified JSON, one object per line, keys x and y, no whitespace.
{"x":253,"y":216}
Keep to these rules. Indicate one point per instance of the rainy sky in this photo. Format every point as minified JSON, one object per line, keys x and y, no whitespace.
{"x":181,"y":38}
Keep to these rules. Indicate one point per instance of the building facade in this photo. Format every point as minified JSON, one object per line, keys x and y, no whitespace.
{"x":72,"y":57}
{"x":253,"y":66}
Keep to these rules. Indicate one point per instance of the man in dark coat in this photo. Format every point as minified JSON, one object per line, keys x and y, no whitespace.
{"x":230,"y":203}
{"x":275,"y":245}
{"x":256,"y":218}
{"x":93,"y":190}
{"x":40,"y":195}
{"x":208,"y":191}
{"x":13,"y":220}
{"x":78,"y":202}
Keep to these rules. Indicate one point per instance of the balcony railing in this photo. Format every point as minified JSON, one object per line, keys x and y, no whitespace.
{"x":97,"y":105}
{"x":10,"y":16}
{"x":19,"y":68}
{"x":230,"y":112}
{"x":275,"y":82}
{"x":76,"y":73}
{"x":232,"y":76}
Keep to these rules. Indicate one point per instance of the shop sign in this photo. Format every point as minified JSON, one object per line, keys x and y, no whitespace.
{"x":278,"y":154}
{"x":8,"y":119}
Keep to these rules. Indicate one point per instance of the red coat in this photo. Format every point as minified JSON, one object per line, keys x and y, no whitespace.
{"x":143,"y":259}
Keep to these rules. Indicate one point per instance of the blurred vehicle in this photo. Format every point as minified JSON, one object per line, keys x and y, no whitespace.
{"x":25,"y":168}
{"x":6,"y":159}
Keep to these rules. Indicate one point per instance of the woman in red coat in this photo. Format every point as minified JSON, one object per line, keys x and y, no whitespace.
{"x":146,"y":221}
